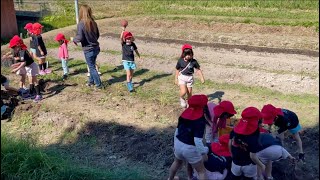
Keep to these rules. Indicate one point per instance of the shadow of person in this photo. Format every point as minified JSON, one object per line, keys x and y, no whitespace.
{"x":216,"y":95}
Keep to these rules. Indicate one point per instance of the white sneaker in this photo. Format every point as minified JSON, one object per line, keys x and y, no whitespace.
{"x":183,"y":103}
{"x":99,"y":72}
{"x":88,"y":74}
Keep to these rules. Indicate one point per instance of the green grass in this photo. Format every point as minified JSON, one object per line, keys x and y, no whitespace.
{"x":274,"y":13}
{"x":21,"y":159}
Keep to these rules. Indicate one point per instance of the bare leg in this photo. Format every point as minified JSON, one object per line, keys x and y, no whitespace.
{"x":176,"y":165}
{"x":189,"y":92}
{"x":201,"y":170}
{"x":189,"y":171}
{"x":22,"y":82}
{"x":269,"y":169}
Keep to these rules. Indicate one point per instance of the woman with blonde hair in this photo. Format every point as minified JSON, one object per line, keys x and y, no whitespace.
{"x":88,"y":34}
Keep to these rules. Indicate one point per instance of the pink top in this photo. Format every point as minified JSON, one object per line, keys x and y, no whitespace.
{"x":63,"y":51}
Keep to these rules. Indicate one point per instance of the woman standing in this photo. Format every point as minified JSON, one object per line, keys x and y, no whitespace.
{"x":88,"y":35}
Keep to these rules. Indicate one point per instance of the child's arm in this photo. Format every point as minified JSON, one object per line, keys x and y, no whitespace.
{"x":137,"y":52}
{"x":65,"y":51}
{"x":257,"y":161}
{"x":22,"y":64}
{"x":199,"y":72}
{"x":121,"y":34}
{"x":176,"y":77}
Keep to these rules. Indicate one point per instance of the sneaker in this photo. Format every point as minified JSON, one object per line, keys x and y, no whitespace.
{"x":89,"y":84}
{"x":130,"y":86}
{"x":183,"y":103}
{"x":38,"y":98}
{"x":64,"y":77}
{"x":301,"y":157}
{"x":99,"y":87}
{"x":99,"y":72}
{"x":42,"y":72}
{"x":47,"y":71}
{"x":88,"y":74}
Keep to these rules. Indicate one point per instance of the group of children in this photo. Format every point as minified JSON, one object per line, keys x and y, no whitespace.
{"x":247,"y":152}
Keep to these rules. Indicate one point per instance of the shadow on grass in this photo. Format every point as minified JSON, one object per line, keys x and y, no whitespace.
{"x":123,"y":78}
{"x":216,"y":95}
{"x":141,"y":83}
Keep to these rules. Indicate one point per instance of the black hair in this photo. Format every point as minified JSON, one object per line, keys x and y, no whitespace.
{"x":226,"y":115}
{"x":187,"y":52}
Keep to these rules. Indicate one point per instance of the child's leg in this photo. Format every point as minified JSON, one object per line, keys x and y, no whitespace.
{"x":176,"y":165}
{"x":269,"y":169}
{"x":44,"y":64}
{"x":183,"y":91}
{"x":65,"y":68}
{"x":189,"y":92}
{"x":189,"y":171}
{"x":22,"y":83}
{"x":201,"y":170}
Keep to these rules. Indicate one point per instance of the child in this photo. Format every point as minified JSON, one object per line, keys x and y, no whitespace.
{"x":63,"y":54}
{"x":128,"y":49}
{"x":221,"y":148}
{"x":24,"y":59}
{"x":225,"y":110}
{"x":285,"y":120}
{"x":245,"y":145}
{"x":41,"y":50}
{"x":184,"y":73}
{"x":188,"y":145}
{"x":30,"y":34}
{"x":271,"y":150}
{"x":21,"y":72}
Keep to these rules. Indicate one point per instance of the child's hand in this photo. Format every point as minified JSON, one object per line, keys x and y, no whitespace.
{"x":176,"y":82}
{"x":41,"y":53}
{"x":202,"y":81}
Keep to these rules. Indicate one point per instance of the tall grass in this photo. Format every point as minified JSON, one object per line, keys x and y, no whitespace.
{"x":20,"y":159}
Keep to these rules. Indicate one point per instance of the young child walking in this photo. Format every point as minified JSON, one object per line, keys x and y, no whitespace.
{"x":128,"y":49}
{"x":63,"y":54}
{"x":25,"y":60}
{"x":184,"y":73}
{"x":285,"y":120}
{"x":41,"y":50}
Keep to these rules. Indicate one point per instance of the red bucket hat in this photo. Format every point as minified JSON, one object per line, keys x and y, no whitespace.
{"x":127,"y":35}
{"x":60,"y":36}
{"x":28,"y":27}
{"x":221,"y":148}
{"x":248,"y":124}
{"x":196,"y":105}
{"x":36,"y":27}
{"x":269,"y":112}
{"x":17,"y":41}
{"x":186,"y":46}
{"x":224,"y":106}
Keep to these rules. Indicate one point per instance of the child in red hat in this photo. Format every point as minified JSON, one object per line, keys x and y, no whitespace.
{"x":30,"y":34}
{"x":41,"y":50}
{"x":270,"y":151}
{"x":188,"y":145}
{"x":245,"y":145}
{"x":184,"y":73}
{"x":223,"y":111}
{"x":25,"y":60}
{"x":285,"y":120}
{"x":128,"y":49}
{"x":63,"y":54}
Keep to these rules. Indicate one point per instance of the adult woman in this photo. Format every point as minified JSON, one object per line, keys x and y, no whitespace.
{"x":88,"y":35}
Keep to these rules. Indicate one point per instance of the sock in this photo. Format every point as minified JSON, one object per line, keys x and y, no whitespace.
{"x":37,"y":87}
{"x":44,"y":66}
{"x":31,"y":89}
{"x":40,"y":66}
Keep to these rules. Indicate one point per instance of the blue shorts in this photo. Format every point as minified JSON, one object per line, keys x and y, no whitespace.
{"x":128,"y":65}
{"x":33,"y":50}
{"x":295,"y":130}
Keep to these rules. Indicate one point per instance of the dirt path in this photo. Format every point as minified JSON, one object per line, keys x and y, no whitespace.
{"x":287,"y":73}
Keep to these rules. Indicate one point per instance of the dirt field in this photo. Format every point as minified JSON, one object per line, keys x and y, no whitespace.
{"x":113,"y":128}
